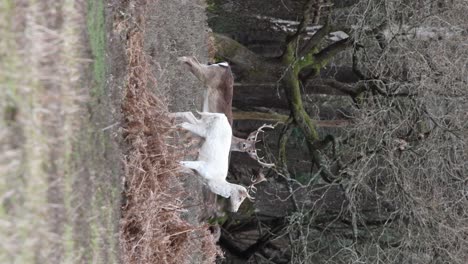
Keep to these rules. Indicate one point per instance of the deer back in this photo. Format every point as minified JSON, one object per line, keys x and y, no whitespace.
{"x":224,"y":93}
{"x":215,"y":150}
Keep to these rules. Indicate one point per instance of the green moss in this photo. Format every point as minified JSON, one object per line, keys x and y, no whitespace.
{"x":360,"y":98}
{"x":212,"y":6}
{"x":305,"y":61}
{"x":301,"y":117}
{"x":293,"y":93}
{"x":96,"y":34}
{"x":218,"y":220}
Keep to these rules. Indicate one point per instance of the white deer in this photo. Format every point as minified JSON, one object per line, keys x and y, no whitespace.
{"x":217,"y":98}
{"x":213,"y":156}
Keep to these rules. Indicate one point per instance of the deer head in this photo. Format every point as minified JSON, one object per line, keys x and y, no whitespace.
{"x":238,"y":195}
{"x":248,"y":145}
{"x":191,"y":63}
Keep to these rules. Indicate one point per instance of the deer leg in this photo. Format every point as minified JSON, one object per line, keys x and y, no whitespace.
{"x":197,"y":129}
{"x":186,"y":116}
{"x":194,"y":165}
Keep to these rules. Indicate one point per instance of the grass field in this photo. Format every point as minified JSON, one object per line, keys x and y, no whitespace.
{"x":78,"y":118}
{"x":59,"y":188}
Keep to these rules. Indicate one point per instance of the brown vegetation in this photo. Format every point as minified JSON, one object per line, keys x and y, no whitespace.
{"x":152,"y":230}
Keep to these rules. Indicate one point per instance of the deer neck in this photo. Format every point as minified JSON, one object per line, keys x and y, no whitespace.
{"x":210,"y":102}
{"x":236,"y":144}
{"x":196,"y":69}
{"x":222,"y":188}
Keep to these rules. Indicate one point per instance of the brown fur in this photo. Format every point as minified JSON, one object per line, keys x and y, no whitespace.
{"x":219,"y":83}
{"x":224,"y":95}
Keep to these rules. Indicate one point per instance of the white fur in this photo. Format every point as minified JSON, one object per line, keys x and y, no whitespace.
{"x":213,"y":158}
{"x":223,"y":64}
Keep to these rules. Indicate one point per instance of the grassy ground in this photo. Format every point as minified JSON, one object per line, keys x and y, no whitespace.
{"x":59,"y":182}
{"x":69,"y":73}
{"x":96,"y":32}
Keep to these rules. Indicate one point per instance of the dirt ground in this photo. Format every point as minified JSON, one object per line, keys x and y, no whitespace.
{"x":148,"y":233}
{"x":168,"y":37}
{"x":65,"y":141}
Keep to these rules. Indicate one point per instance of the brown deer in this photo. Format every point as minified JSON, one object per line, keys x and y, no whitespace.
{"x":217,"y":98}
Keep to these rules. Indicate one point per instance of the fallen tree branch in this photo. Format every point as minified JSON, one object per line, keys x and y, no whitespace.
{"x":331,"y":51}
{"x":252,"y":115}
{"x":313,"y":42}
{"x":275,"y":117}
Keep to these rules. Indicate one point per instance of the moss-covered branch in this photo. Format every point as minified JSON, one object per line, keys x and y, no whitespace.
{"x":291,"y":66}
{"x":253,"y":115}
{"x":314,"y":61}
{"x":280,"y":118}
{"x":235,"y":52}
{"x":324,"y":56}
{"x":293,"y":94}
{"x":313,"y":42}
{"x":303,"y":121}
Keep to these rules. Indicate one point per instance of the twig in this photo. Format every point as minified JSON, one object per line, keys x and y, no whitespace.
{"x":111,"y":126}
